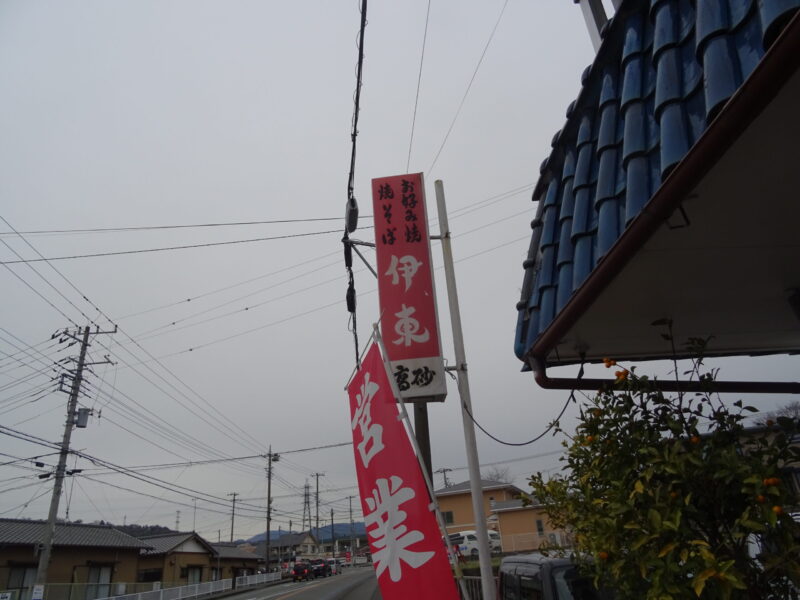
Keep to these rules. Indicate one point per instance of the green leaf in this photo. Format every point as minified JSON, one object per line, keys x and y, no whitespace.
{"x":700,"y":581}
{"x":654,"y":517}
{"x":667,"y":549}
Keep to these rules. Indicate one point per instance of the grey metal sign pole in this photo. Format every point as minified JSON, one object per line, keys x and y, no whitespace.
{"x":484,"y":554}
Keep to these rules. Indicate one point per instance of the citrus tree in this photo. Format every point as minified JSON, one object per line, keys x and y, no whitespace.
{"x":671,"y":496}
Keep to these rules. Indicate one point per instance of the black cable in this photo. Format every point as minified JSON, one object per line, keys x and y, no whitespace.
{"x":100,"y":312}
{"x":158,"y":227}
{"x":38,"y":293}
{"x":351,"y":201}
{"x":571,"y":398}
{"x":469,"y":86}
{"x":419,"y":81}
{"x":184,"y":247}
{"x":357,"y":102}
{"x":43,"y":278}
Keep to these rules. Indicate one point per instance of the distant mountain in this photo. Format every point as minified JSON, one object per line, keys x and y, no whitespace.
{"x":340,"y":530}
{"x":142,"y":530}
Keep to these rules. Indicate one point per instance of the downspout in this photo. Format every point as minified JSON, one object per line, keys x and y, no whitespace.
{"x":778,"y":65}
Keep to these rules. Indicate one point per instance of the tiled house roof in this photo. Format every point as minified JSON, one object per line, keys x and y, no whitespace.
{"x":663,"y":72}
{"x":166,"y":542}
{"x":231,"y":551}
{"x":30,"y":533}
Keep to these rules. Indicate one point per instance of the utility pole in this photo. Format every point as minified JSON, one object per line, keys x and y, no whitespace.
{"x":444,"y":471}
{"x":233,"y":510}
{"x":352,"y":550}
{"x":317,"y":475}
{"x":484,"y":554}
{"x":194,"y":515}
{"x":333,"y":537}
{"x":306,"y":509}
{"x":177,"y":520}
{"x":270,"y":458}
{"x":50,"y":529}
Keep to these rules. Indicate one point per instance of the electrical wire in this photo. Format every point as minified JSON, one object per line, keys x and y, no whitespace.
{"x":469,"y":86}
{"x":554,"y":423}
{"x":43,"y":278}
{"x":455,"y":214}
{"x":419,"y":82}
{"x":169,"y":248}
{"x":167,"y":227}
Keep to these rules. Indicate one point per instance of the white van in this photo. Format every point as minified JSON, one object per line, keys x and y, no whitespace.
{"x":467,"y":542}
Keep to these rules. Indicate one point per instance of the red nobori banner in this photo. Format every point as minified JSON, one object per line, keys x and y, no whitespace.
{"x":405,"y":286}
{"x":408,"y":554}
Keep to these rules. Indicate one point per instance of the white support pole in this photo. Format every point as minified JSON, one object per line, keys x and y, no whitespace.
{"x":484,"y":553}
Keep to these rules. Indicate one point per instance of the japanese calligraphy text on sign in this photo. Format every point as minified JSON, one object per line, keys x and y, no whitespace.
{"x":409,"y":321}
{"x":408,"y":553}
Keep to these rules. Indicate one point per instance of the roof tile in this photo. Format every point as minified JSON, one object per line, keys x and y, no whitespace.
{"x":25,"y":532}
{"x":664,"y":70}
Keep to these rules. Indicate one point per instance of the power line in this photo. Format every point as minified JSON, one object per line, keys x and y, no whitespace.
{"x":43,"y":278}
{"x":419,"y":82}
{"x":167,"y":227}
{"x":456,"y":214}
{"x":172,"y":487}
{"x":469,"y":86}
{"x":185,"y":385}
{"x":168,"y":248}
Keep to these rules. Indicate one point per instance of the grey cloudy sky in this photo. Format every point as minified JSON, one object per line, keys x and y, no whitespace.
{"x":143,"y":113}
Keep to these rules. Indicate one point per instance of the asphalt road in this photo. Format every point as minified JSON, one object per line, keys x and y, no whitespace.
{"x":354,"y":584}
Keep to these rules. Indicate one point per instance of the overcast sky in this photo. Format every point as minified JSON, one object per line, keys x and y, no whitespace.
{"x":131,"y":114}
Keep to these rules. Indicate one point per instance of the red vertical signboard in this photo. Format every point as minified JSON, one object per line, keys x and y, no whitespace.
{"x":405,"y":287}
{"x":408,"y":554}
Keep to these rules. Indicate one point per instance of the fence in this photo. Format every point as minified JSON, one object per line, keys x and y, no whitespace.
{"x":184,"y":592}
{"x":259,"y":579}
{"x":143,"y":591}
{"x":473,"y":588}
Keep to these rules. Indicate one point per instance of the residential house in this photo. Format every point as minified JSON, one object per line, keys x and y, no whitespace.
{"x":526,"y":527}
{"x":87,"y":561}
{"x":291,"y":546}
{"x":176,"y":559}
{"x":233,"y":561}
{"x":455,"y":502}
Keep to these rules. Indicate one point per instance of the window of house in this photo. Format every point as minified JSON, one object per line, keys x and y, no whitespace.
{"x":98,"y":582}
{"x":22,"y":578}
{"x":194,"y":574}
{"x":539,"y":527}
{"x":148,"y":575}
{"x":448,"y":517}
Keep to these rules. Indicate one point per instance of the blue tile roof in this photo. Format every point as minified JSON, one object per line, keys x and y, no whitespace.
{"x":663,"y":72}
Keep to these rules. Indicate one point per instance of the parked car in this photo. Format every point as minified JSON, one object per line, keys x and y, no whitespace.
{"x":336,"y":566}
{"x":466,"y":543}
{"x":302,"y":571}
{"x":321,"y":567}
{"x":529,"y":576}
{"x":470,"y":542}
